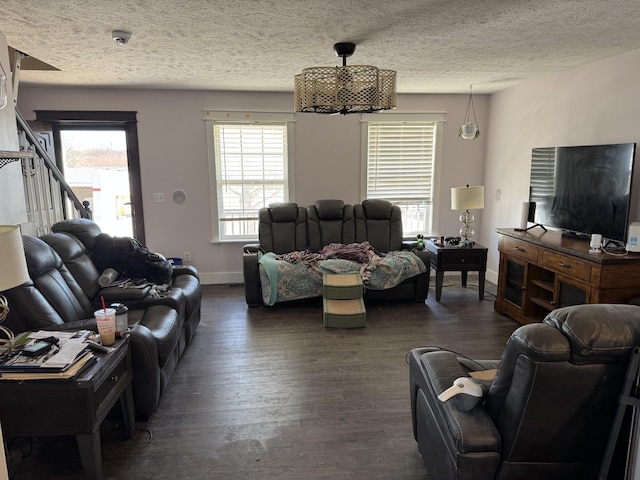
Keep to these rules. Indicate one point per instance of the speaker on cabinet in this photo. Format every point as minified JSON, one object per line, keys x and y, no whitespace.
{"x":595,"y":243}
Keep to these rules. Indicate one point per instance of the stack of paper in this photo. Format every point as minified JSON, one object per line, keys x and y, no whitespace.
{"x":65,"y":359}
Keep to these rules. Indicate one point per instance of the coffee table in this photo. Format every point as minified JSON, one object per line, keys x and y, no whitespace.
{"x":72,"y":407}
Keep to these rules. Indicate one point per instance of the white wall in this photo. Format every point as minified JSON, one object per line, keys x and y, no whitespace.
{"x":594,"y":104}
{"x":173,"y":155}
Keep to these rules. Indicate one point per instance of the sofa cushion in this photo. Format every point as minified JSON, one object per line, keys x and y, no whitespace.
{"x":283,"y":212}
{"x":329,"y":209}
{"x":380,"y":223}
{"x":52,"y":278}
{"x":598,"y":333}
{"x":376,"y":209}
{"x":283,"y":228}
{"x":76,"y":259}
{"x":330,"y":221}
{"x":84,"y":229}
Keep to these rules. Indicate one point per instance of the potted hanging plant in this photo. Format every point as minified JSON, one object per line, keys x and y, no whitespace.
{"x":469,"y":129}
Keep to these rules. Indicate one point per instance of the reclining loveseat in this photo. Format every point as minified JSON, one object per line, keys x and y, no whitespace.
{"x":549,"y":411}
{"x":288,"y":231}
{"x":63,"y":292}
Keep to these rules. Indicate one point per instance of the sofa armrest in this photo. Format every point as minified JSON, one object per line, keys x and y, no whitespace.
{"x":86,"y":324}
{"x":251,"y":273}
{"x":131,"y":297}
{"x":433,"y":371}
{"x":252,"y":248}
{"x":184,"y":270}
{"x":146,"y":370}
{"x":409,"y":244}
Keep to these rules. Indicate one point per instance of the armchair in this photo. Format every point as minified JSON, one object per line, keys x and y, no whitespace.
{"x":549,"y":409}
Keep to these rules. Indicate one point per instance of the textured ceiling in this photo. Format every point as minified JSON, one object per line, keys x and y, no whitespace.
{"x":437,"y":46}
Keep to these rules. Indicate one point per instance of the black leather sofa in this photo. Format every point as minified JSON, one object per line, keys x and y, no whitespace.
{"x":547,"y":413}
{"x":287,"y":227}
{"x":63,"y":292}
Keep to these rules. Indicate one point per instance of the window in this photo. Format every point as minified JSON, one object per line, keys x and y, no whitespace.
{"x":401,"y":165}
{"x":249,"y":163}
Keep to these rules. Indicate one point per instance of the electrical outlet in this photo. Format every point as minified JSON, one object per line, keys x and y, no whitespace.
{"x":187,"y":256}
{"x":158,"y":198}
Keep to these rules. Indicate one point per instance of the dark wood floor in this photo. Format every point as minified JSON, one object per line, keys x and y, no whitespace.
{"x":269,"y":393}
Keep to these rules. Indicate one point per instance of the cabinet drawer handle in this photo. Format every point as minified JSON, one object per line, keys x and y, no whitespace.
{"x":518,"y":249}
{"x":564,"y":265}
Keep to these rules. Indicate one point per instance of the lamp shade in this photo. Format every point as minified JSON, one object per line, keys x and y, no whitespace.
{"x":13,"y":266}
{"x":467,"y":198}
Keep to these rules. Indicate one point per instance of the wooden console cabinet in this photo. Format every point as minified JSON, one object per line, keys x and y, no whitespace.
{"x":540,"y":271}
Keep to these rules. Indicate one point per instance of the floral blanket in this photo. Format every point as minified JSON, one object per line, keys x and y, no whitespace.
{"x":298,"y":275}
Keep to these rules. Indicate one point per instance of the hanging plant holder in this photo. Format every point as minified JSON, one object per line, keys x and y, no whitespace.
{"x":469,"y":129}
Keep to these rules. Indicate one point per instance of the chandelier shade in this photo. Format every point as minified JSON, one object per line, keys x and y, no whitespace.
{"x":345,"y":89}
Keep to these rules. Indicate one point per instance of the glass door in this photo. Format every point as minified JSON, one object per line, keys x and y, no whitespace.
{"x":95,"y":166}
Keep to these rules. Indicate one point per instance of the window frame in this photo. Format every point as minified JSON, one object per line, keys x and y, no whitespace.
{"x":212,"y":117}
{"x":403,"y":118}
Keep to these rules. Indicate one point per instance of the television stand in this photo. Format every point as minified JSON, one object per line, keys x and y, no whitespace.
{"x":529,"y":228}
{"x":544,"y":271}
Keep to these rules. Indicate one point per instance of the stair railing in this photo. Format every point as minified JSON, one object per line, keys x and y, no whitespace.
{"x":49,"y":197}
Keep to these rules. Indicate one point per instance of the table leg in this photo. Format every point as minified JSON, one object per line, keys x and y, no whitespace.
{"x":439,"y":279}
{"x":91,"y":453}
{"x":464,"y":278}
{"x":481,"y":285}
{"x":127,"y":410}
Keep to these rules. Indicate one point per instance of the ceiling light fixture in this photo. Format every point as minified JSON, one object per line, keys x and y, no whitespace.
{"x":345,"y":89}
{"x":121,"y":37}
{"x":469,"y":129}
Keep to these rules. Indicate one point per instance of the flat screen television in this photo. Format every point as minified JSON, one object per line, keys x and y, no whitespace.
{"x":583,"y":189}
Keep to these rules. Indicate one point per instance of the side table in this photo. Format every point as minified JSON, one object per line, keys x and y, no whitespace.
{"x":72,"y":407}
{"x":452,"y":258}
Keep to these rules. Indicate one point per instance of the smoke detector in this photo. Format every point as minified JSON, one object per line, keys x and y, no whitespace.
{"x":121,"y":37}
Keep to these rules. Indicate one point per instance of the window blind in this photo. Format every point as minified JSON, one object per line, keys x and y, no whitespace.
{"x":400,"y":161}
{"x":251,"y":172}
{"x":400,"y":168}
{"x":543,"y":173}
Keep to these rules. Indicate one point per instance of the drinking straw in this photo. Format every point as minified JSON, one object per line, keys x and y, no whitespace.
{"x":104,"y":306}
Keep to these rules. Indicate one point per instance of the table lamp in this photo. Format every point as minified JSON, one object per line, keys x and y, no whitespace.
{"x":467,"y":198}
{"x":13,"y":270}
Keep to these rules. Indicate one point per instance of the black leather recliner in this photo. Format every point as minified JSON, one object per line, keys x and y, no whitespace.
{"x":286,"y":227}
{"x":52,"y":299}
{"x":548,"y":412}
